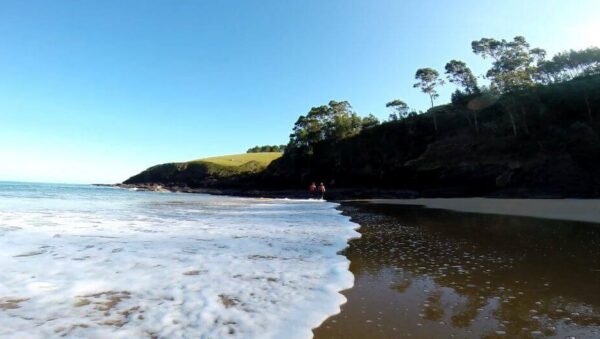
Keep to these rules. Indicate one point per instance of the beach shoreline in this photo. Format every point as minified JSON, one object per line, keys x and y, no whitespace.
{"x":378,"y":304}
{"x":557,"y":208}
{"x":338,"y":194}
{"x":433,"y":271}
{"x":583,"y":210}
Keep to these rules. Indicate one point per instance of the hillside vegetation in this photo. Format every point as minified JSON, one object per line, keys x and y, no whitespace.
{"x":533,"y":129}
{"x":555,"y":152}
{"x":266,"y":148}
{"x":207,"y":171}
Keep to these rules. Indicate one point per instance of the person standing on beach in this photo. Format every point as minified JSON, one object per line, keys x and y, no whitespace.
{"x":312,"y":191}
{"x":322,"y":190}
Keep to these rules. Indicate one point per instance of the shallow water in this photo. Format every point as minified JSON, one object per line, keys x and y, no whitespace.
{"x":101,"y":262}
{"x":425,"y":273}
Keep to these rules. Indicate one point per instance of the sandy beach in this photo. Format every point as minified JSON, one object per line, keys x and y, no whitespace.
{"x":587,"y":210}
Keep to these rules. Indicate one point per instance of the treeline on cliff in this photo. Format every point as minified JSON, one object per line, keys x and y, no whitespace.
{"x":266,"y":148}
{"x":532,"y":130}
{"x":556,"y":151}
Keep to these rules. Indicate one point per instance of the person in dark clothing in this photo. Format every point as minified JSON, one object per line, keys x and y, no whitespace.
{"x":322,"y":190}
{"x":312,"y":191}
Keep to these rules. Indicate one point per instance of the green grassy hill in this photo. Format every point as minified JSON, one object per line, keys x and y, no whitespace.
{"x":263,"y":158}
{"x":207,"y":171}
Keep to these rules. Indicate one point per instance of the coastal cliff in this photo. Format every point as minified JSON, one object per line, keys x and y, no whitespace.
{"x":540,"y":143}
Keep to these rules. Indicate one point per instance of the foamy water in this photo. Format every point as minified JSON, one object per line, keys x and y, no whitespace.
{"x":100,"y":262}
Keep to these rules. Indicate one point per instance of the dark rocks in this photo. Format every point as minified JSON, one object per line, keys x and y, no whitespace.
{"x":504,"y":178}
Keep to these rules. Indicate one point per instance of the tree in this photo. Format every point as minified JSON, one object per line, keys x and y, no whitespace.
{"x":266,"y":148}
{"x":460,"y":74}
{"x":400,"y":109}
{"x":428,"y":80}
{"x":514,"y":69}
{"x":308,"y":130}
{"x":571,"y":64}
{"x":514,"y":62}
{"x":369,"y":121}
{"x":333,"y":122}
{"x":342,"y":126}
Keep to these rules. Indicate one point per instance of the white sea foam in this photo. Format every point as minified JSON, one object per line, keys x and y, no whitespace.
{"x":100,"y":263}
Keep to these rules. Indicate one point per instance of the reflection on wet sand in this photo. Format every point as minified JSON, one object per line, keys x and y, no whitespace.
{"x":426,"y":273}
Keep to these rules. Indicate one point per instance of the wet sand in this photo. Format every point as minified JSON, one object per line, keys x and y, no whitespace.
{"x":587,"y":210}
{"x":431,"y":273}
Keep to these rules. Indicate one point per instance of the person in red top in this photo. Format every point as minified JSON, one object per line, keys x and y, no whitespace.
{"x":312,"y":191}
{"x":322,"y":190}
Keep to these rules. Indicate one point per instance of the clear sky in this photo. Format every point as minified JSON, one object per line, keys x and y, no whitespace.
{"x":96,"y":91}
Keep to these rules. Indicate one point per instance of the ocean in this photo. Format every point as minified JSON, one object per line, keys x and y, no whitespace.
{"x":98,"y":262}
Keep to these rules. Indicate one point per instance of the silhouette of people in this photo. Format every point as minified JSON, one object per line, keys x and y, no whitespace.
{"x":322,"y":190}
{"x":312,"y":190}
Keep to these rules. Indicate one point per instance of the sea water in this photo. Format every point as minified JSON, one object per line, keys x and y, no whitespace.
{"x":99,"y":262}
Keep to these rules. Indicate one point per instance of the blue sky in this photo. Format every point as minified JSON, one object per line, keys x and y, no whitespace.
{"x":96,"y":91}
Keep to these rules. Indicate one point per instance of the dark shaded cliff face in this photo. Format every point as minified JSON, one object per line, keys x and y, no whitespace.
{"x":555,"y":153}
